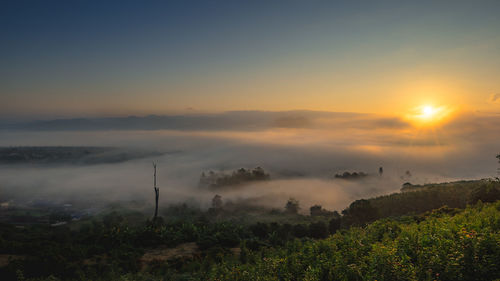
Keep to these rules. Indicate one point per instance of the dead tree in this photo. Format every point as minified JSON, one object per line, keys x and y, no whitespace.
{"x":157,"y":192}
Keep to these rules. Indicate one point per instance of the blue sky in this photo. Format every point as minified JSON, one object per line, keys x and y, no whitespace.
{"x":63,"y":58}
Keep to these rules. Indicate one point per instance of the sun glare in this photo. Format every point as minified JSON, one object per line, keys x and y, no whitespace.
{"x":429,"y":114}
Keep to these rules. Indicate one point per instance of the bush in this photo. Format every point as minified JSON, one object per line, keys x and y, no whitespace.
{"x":318,"y":230}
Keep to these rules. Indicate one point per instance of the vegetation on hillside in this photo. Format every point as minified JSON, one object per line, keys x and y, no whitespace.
{"x":440,"y":245}
{"x":381,"y":238}
{"x":81,"y":155}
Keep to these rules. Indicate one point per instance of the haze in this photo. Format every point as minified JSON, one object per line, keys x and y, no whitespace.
{"x":304,"y":89}
{"x":302,"y":155}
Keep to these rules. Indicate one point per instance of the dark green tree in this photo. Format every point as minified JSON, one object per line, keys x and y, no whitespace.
{"x":292,"y":206}
{"x":318,"y":230}
{"x":300,"y":230}
{"x":334,"y":223}
{"x":359,"y":212}
{"x":487,"y":193}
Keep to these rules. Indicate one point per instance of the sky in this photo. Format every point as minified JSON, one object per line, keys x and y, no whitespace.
{"x":118,"y":58}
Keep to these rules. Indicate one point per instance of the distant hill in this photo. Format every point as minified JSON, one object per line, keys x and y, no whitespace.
{"x":233,"y":120}
{"x":70,"y":155}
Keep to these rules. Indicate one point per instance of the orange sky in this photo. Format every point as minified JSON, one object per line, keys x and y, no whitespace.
{"x":388,"y":58}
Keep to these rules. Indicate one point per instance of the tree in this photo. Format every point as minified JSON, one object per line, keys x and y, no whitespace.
{"x":316,"y":210}
{"x":360,"y":212}
{"x":259,"y":174}
{"x":318,"y":230}
{"x":217,"y":202}
{"x":334,"y":223}
{"x":157,"y":192}
{"x":260,"y":229}
{"x":300,"y":230}
{"x":237,"y":177}
{"x":487,"y":193}
{"x":498,"y":156}
{"x":292,"y":206}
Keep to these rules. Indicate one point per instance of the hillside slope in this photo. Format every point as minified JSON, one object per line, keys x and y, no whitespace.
{"x":464,"y":246}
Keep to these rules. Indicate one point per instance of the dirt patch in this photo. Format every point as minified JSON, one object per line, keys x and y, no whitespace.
{"x":99,"y":259}
{"x":186,"y":250}
{"x":6,"y":259}
{"x":235,"y":251}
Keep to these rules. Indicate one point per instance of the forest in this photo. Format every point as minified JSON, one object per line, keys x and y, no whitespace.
{"x":450,"y":231}
{"x":216,"y":180}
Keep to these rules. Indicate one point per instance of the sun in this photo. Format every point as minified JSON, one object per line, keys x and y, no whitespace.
{"x":427,"y":115}
{"x":427,"y":112}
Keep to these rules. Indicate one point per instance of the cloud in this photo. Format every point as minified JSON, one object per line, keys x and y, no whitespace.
{"x":301,"y":156}
{"x":495,"y":98}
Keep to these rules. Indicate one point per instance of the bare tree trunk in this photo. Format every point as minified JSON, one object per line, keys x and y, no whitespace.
{"x":157,"y":193}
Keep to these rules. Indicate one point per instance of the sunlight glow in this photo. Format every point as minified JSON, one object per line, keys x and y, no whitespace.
{"x":426,"y":115}
{"x":428,"y":112}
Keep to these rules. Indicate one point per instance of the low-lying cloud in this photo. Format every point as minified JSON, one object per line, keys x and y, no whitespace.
{"x":301,"y":150}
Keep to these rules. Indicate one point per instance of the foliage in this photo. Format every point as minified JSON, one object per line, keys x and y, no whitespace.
{"x":359,"y":213}
{"x":487,"y":192}
{"x":219,"y":180}
{"x":317,"y":210}
{"x":465,"y":246}
{"x":418,"y":199}
{"x":376,"y":239}
{"x":292,"y":206}
{"x":351,"y":176}
{"x":109,"y":247}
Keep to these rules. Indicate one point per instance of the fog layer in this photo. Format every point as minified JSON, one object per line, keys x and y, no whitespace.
{"x":301,"y":151}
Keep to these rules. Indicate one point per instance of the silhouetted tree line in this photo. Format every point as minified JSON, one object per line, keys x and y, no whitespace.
{"x":364,"y":211}
{"x":418,"y":199}
{"x":423,"y":199}
{"x":351,"y":176}
{"x":317,"y":210}
{"x":361,"y":212}
{"x":278,"y":234}
{"x":213,"y":179}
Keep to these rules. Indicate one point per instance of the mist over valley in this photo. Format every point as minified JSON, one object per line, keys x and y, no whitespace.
{"x":109,"y":164}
